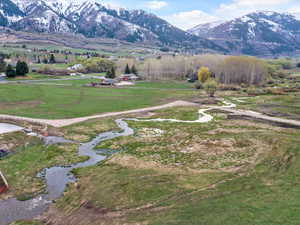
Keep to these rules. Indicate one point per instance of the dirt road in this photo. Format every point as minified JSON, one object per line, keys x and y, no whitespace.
{"x":67,"y":122}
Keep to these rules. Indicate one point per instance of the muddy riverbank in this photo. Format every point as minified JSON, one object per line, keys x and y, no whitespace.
{"x":57,"y":179}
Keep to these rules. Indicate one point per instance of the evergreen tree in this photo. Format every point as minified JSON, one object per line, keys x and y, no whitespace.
{"x":26,"y":68}
{"x":134,"y":70}
{"x":39,"y":60}
{"x":108,"y":74}
{"x":45,"y":60}
{"x":52,"y":59}
{"x":127,"y":70}
{"x":21,"y":68}
{"x":10,"y":72}
{"x":111,"y":73}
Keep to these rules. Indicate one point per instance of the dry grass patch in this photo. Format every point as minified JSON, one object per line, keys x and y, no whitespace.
{"x":18,"y":105}
{"x":85,"y":131}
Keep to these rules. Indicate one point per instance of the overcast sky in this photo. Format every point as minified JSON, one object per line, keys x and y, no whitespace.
{"x":189,"y":13}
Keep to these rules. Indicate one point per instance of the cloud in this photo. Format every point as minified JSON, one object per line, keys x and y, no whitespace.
{"x":295,"y":11}
{"x":231,"y":10}
{"x":190,"y":19}
{"x":241,"y":7}
{"x":155,"y":5}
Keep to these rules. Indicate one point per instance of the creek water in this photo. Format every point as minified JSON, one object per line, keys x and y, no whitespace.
{"x":57,"y":178}
{"x":8,"y":128}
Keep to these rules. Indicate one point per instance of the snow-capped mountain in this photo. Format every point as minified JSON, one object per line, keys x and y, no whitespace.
{"x":205,"y":27}
{"x":94,"y":19}
{"x":257,"y":33}
{"x":9,"y":13}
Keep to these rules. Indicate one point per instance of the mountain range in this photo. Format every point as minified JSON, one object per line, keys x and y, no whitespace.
{"x":93,"y":19}
{"x":260,"y":33}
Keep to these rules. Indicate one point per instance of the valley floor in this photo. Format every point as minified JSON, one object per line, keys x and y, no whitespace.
{"x":228,"y":171}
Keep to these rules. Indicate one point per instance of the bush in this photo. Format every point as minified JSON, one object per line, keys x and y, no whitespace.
{"x":199,"y":86}
{"x":279,"y":74}
{"x":210,"y":87}
{"x":49,"y":71}
{"x":21,"y":68}
{"x":10,"y":72}
{"x":229,"y":87}
{"x":253,"y":91}
{"x":274,"y":91}
{"x":282,"y":63}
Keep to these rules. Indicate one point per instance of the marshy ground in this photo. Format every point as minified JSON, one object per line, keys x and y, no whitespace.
{"x":222,"y":172}
{"x":227,"y":171}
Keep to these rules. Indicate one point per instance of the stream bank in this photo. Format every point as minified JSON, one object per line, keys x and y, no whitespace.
{"x":57,"y":178}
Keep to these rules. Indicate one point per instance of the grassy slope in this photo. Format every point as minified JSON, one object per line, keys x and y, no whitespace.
{"x":42,"y":101}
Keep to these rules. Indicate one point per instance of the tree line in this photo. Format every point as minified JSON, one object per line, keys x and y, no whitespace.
{"x":225,"y":69}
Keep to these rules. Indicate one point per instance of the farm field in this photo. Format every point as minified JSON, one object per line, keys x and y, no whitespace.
{"x":73,"y":100}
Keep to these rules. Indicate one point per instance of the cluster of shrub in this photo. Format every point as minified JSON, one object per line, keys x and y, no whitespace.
{"x":21,"y":68}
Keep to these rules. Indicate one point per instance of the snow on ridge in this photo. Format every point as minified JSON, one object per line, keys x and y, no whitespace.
{"x":205,"y":26}
{"x":245,"y":19}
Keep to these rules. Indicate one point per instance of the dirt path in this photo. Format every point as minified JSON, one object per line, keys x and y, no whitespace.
{"x":67,"y":122}
{"x":206,"y":117}
{"x":260,"y":116}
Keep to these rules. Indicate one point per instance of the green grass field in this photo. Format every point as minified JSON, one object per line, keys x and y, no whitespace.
{"x":73,"y":100}
{"x":285,"y":106}
{"x":226,"y":172}
{"x":156,"y":171}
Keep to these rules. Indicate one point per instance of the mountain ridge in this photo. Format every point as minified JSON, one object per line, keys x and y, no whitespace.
{"x":93,"y":19}
{"x":258,"y":33}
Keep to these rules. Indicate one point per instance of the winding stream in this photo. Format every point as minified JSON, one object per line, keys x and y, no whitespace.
{"x":204,"y":117}
{"x":58,"y":177}
{"x":8,"y":128}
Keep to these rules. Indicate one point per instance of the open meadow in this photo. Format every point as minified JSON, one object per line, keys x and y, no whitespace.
{"x":68,"y":99}
{"x":217,"y":157}
{"x":227,"y":171}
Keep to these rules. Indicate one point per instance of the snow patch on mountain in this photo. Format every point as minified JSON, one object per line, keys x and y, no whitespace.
{"x":204,"y":27}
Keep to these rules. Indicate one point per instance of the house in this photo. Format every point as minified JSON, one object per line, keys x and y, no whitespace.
{"x":3,"y":183}
{"x":106,"y":81}
{"x":129,"y":77}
